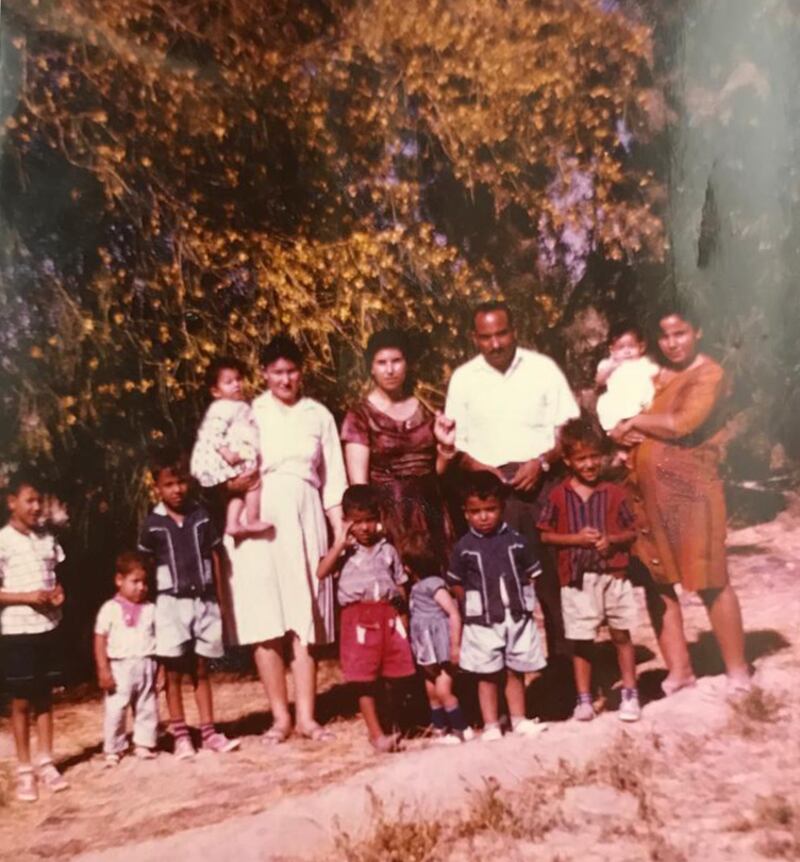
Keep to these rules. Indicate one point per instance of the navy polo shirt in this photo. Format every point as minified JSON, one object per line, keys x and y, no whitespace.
{"x":495,"y":571}
{"x":182,"y":552}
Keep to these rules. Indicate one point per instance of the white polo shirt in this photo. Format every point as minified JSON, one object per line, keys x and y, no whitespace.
{"x":512,"y":416}
{"x":27,"y":562}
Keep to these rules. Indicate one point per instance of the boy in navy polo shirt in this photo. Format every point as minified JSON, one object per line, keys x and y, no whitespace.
{"x":590,"y":524}
{"x":492,"y":568}
{"x":181,"y":537}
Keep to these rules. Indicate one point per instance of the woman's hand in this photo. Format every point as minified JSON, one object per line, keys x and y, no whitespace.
{"x":527,"y":475}
{"x":241,"y":483}
{"x":624,"y":433}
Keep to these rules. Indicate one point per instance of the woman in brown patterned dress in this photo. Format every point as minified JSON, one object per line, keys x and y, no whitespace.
{"x":679,"y":498}
{"x":389,"y":442}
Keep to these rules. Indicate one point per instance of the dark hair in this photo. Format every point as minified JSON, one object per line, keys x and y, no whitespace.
{"x":483,"y":484}
{"x":490,"y":306}
{"x":168,"y":458}
{"x":680,"y":307}
{"x":25,"y":477}
{"x":127,"y":561}
{"x":420,"y":557}
{"x":362,"y":498}
{"x":384,"y":339}
{"x":219,"y":365}
{"x":581,"y":432}
{"x":621,"y":327}
{"x":281,"y":347}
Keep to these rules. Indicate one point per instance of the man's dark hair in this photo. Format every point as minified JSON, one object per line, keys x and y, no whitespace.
{"x":483,"y":485}
{"x":490,"y":306}
{"x":220,"y":364}
{"x":418,"y":554}
{"x":281,"y":347}
{"x":127,"y":561}
{"x":581,"y":432}
{"x":168,"y":458}
{"x":362,"y":498}
{"x":24,"y":477}
{"x":623,"y":326}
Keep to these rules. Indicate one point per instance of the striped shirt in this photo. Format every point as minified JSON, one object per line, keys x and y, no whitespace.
{"x":606,"y":510}
{"x":28,"y":562}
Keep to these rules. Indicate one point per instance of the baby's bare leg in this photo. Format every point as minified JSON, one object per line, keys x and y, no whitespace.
{"x":233,"y":516}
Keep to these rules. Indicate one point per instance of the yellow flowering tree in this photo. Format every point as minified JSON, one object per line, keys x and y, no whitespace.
{"x":186,"y":179}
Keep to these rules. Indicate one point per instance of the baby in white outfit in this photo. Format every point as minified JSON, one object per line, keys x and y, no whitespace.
{"x":627,"y":374}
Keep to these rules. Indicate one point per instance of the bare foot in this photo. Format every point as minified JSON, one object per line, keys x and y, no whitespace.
{"x":387,"y":743}
{"x":672,"y":685}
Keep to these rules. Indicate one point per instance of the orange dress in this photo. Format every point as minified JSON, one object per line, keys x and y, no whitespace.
{"x":678,"y":495}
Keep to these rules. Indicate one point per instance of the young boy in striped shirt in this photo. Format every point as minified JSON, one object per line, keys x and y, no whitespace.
{"x":591,"y":526}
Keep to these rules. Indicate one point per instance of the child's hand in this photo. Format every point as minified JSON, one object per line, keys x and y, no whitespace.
{"x":41,"y":598}
{"x":232,"y":458}
{"x":57,"y":596}
{"x":106,"y":681}
{"x":455,"y":654}
{"x":588,"y":537}
{"x":602,"y":544}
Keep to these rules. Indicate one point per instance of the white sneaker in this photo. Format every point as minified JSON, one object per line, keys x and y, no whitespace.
{"x":629,"y":709}
{"x":111,"y":760}
{"x":51,"y":777}
{"x":446,"y":739}
{"x":583,"y":711}
{"x":26,"y":785}
{"x":142,"y":752}
{"x":529,"y":727}
{"x":492,"y":734}
{"x":467,"y":734}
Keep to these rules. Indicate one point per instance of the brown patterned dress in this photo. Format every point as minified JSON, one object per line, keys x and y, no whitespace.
{"x":678,"y":494}
{"x":402,"y":462}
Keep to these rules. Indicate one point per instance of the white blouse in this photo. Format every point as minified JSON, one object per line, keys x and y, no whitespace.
{"x":301,"y":440}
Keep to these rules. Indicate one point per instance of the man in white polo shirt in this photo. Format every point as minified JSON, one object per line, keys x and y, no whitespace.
{"x":507,"y":404}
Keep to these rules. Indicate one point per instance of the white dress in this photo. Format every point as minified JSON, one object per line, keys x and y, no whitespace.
{"x":226,"y":423}
{"x":629,"y":391}
{"x":274,"y":585}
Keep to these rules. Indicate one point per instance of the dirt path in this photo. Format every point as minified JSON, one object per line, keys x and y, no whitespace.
{"x":694,"y":779}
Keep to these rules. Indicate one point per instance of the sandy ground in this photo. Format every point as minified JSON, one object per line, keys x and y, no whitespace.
{"x":694,"y":779}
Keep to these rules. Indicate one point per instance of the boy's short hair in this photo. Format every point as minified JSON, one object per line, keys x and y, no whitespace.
{"x":362,"y":498}
{"x":416,"y":553}
{"x":126,"y":561}
{"x":491,"y":306}
{"x":483,"y":485}
{"x":623,"y":326}
{"x":220,"y":364}
{"x":168,"y":458}
{"x":581,"y":432}
{"x":24,"y":477}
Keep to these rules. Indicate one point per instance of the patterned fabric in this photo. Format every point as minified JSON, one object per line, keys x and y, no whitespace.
{"x":226,"y":423}
{"x":124,"y":640}
{"x":27,"y":563}
{"x":496,"y":572}
{"x":183,"y":552}
{"x":511,"y":416}
{"x":677,"y":493}
{"x":606,"y":510}
{"x":402,"y":462}
{"x":371,"y":574}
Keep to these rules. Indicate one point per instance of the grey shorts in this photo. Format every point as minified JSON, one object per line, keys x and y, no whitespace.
{"x":186,"y":626}
{"x":603,"y":599}
{"x":513,"y":644}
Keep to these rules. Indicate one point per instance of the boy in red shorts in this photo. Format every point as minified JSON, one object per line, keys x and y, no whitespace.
{"x":373,"y":640}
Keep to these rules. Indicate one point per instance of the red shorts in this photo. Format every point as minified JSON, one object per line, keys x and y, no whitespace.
{"x":373,"y":643}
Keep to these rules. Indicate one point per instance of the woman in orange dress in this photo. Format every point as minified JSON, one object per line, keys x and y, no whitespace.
{"x":679,"y":499}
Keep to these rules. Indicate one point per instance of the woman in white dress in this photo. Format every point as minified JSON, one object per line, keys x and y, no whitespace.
{"x":279,"y":605}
